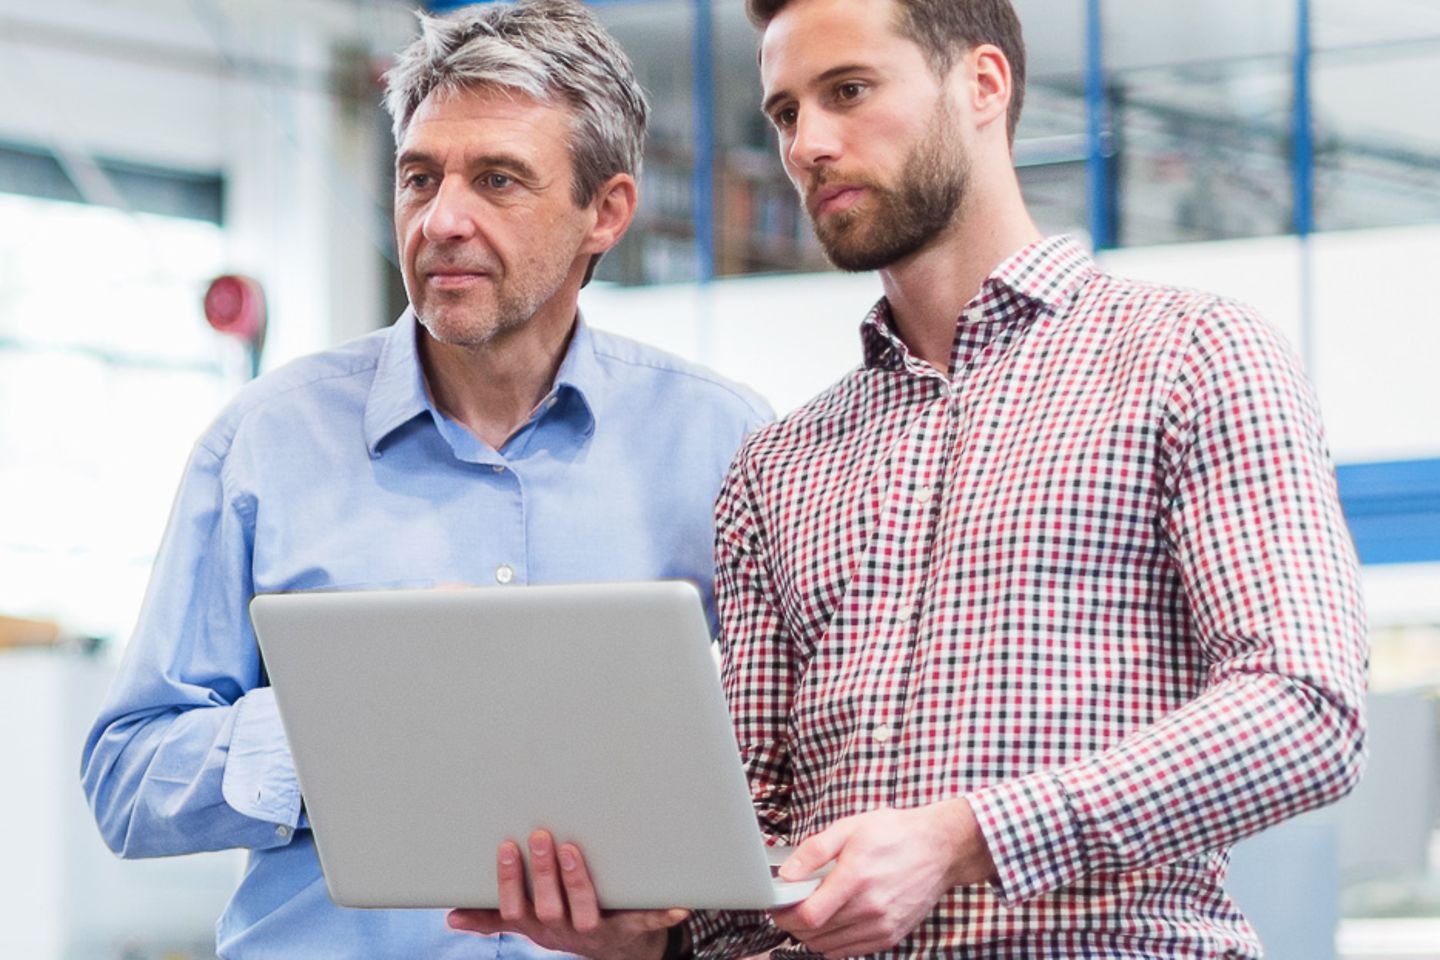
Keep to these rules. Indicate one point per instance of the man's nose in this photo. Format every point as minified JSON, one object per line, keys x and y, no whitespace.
{"x":816,"y":140}
{"x":452,"y":213}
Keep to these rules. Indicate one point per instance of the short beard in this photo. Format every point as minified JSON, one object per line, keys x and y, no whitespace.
{"x":906,"y":218}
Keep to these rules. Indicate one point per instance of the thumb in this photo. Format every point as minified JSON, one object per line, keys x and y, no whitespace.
{"x":817,"y":850}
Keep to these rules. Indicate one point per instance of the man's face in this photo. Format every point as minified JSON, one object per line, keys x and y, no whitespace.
{"x":486,"y":226}
{"x":868,"y":134}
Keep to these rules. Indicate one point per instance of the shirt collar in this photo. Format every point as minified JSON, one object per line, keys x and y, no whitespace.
{"x":580,"y":374}
{"x":1046,"y":275}
{"x":398,"y":393}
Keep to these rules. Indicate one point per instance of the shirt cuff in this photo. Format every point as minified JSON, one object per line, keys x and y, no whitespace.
{"x":259,"y":780}
{"x":1032,"y":834}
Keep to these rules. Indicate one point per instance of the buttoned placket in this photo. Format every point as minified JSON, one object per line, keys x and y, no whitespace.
{"x":942,"y":423}
{"x":919,"y":481}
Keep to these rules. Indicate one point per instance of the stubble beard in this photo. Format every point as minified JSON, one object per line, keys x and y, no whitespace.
{"x":457,"y":321}
{"x":906,"y":218}
{"x":475,"y":328}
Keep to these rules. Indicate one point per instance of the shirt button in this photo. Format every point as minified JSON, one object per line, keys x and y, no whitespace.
{"x":498,"y":468}
{"x":549,"y":404}
{"x":504,"y":573}
{"x":924,"y":495}
{"x":282,"y":831}
{"x":882,"y":733}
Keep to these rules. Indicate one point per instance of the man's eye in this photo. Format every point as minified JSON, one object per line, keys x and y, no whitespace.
{"x":497,"y":181}
{"x":849,"y":91}
{"x":784,"y":119}
{"x":417,"y":181}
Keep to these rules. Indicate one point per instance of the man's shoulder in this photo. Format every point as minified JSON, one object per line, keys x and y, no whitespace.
{"x":1174,"y":333}
{"x":331,"y":382}
{"x":1152,"y":309}
{"x":634,"y":364}
{"x":832,"y":415}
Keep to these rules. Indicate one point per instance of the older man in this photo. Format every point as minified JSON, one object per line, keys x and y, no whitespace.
{"x":488,"y":436}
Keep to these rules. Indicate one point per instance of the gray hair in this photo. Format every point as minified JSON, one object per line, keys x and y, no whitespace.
{"x":552,"y":50}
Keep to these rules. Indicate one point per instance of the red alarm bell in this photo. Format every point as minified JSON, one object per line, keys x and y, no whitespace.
{"x":235,"y":306}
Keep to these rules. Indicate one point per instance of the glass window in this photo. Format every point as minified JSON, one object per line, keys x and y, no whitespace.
{"x":108,"y":372}
{"x":1377,"y":151}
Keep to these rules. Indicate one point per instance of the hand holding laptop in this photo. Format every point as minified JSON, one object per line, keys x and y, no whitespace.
{"x":565,"y":914}
{"x":891,"y":867}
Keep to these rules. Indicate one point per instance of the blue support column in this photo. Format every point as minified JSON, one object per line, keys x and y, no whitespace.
{"x":1303,"y":175}
{"x":1097,"y":122}
{"x":702,"y":189}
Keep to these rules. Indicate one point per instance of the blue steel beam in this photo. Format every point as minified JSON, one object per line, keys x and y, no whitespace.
{"x":702,"y":182}
{"x":1393,"y":510}
{"x":1097,"y":122}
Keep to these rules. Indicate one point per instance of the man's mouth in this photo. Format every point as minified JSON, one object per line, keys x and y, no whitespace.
{"x":835,"y":198}
{"x":454,"y":279}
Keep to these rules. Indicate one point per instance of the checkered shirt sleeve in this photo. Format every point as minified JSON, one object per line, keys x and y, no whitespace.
{"x":1253,"y":526}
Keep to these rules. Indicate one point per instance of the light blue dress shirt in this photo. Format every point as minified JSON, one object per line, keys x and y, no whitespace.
{"x":337,"y":471}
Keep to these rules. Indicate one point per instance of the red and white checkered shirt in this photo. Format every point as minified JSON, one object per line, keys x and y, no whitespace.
{"x":1096,"y":580}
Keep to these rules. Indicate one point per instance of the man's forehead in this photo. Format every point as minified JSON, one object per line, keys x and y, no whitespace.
{"x":477,"y":98}
{"x":485,"y":113}
{"x":810,"y":39}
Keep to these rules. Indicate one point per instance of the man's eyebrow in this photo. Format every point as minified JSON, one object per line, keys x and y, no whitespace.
{"x":503,"y":161}
{"x":506,"y":161}
{"x":834,"y":73}
{"x":414,"y":156}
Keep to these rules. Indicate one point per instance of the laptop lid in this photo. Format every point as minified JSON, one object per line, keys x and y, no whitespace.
{"x":429,"y":725}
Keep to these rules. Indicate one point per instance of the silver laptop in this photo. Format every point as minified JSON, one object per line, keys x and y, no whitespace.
{"x":428,"y":726}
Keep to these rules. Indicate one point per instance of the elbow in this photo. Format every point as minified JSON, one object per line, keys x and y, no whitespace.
{"x":111,"y":814}
{"x":1344,"y":759}
{"x":116,"y":836}
{"x":1352,"y":765}
{"x":110,"y":797}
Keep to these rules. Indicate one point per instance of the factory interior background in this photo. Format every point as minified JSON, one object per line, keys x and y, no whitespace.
{"x":1284,"y":152}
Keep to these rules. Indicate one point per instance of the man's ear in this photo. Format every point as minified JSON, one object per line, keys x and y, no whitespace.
{"x":614,"y":206}
{"x":989,"y":83}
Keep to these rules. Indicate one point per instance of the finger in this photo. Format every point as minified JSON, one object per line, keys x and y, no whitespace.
{"x":817,"y":850}
{"x":510,"y":873}
{"x":579,"y":889}
{"x":818,"y":910}
{"x":475,"y":921}
{"x":548,"y":899}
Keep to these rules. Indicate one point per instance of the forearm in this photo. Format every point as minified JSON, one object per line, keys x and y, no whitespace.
{"x":170,"y":781}
{"x":1254,"y":750}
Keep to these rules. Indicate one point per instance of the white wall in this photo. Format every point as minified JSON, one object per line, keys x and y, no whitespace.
{"x":1375,"y":335}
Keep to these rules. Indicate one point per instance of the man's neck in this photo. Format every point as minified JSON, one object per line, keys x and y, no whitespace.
{"x":928,"y":290}
{"x":492,"y":390}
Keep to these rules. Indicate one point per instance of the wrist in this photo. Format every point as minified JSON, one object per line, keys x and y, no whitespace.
{"x":970,"y":860}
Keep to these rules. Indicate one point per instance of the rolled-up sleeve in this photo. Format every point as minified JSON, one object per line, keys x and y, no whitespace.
{"x":187,"y":753}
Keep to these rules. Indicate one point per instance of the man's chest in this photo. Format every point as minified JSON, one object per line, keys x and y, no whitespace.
{"x":391,"y":522}
{"x":1018,"y":480}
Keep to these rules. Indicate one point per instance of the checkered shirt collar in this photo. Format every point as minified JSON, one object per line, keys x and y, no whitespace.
{"x":1046,"y":275}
